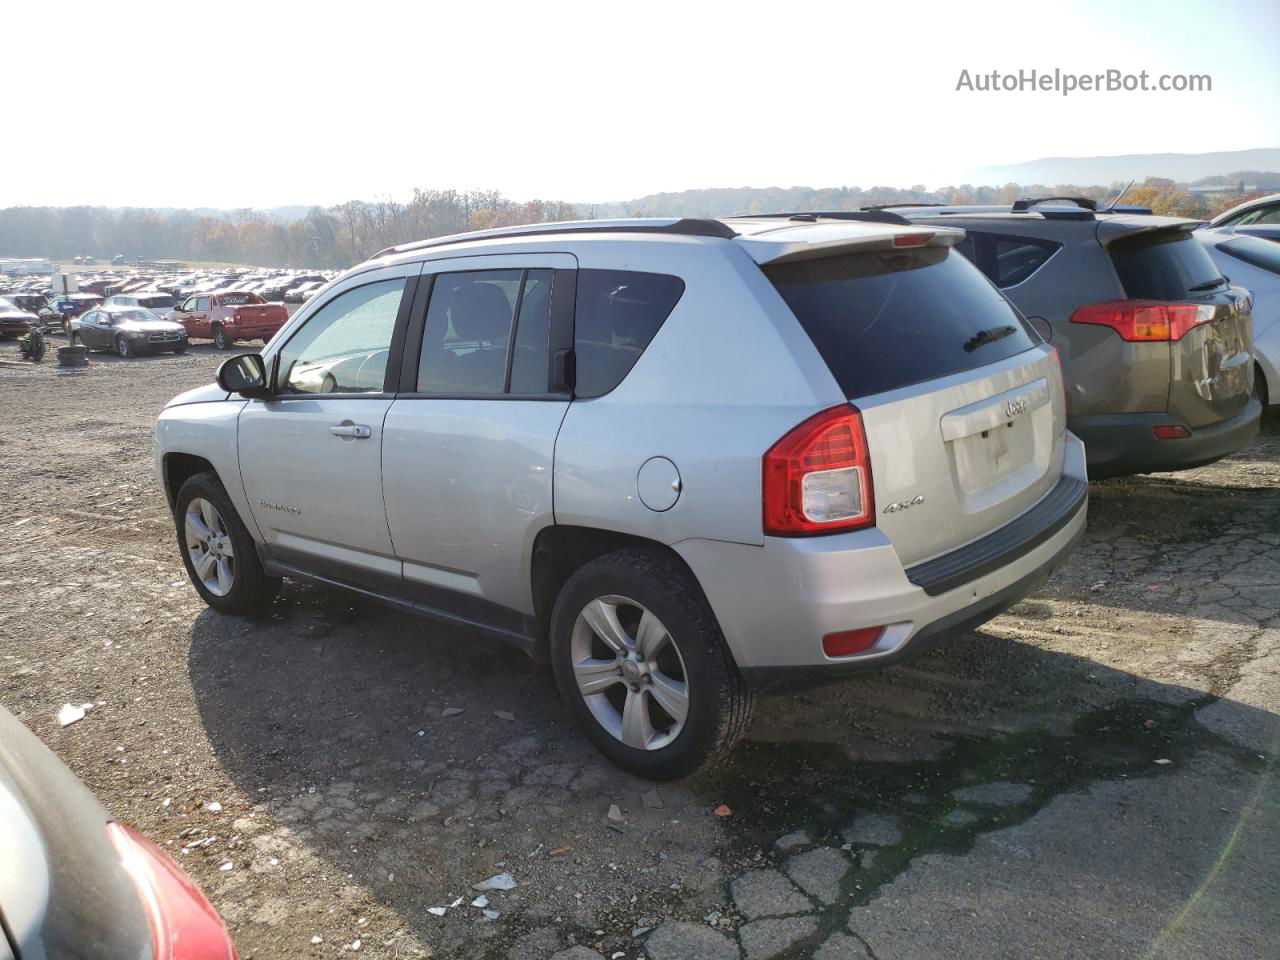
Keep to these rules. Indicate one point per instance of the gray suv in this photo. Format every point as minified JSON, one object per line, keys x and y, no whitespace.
{"x":1156,"y":343}
{"x":682,"y":460}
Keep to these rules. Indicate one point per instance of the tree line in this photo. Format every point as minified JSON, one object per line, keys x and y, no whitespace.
{"x":345,"y":234}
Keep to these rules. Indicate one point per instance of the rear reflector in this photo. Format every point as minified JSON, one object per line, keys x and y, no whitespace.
{"x":817,"y":479}
{"x":184,"y":925}
{"x":912,"y":239}
{"x":1170,"y":432}
{"x":1145,"y":320}
{"x":848,"y":642}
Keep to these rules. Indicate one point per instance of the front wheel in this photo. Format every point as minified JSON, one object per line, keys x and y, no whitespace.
{"x":217,"y":549}
{"x":221,"y":340}
{"x":642,"y":664}
{"x":123,"y":347}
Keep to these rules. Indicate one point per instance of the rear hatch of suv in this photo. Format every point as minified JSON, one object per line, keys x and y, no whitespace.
{"x":1190,"y":305}
{"x":963,"y":409}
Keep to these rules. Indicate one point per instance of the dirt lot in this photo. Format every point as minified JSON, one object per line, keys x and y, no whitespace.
{"x":1092,"y":774}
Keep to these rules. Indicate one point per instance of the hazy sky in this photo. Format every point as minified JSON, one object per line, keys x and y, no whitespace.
{"x":231,"y":104}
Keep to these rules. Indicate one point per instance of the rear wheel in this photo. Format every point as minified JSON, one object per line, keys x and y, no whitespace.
{"x":217,"y":549}
{"x":221,"y":340}
{"x":642,"y":664}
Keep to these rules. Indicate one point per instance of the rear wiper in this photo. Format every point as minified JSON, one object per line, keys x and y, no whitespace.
{"x":983,"y":337}
{"x":1208,"y":285}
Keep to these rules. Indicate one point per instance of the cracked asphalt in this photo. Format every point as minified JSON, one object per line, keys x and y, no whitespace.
{"x":1091,"y":774}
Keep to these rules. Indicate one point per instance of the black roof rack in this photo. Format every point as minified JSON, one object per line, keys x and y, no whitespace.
{"x":867,"y":216}
{"x":891,"y":206}
{"x":1087,"y":206}
{"x":687,"y":226}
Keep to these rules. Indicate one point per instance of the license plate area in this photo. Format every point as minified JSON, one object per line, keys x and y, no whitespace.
{"x":995,"y":444}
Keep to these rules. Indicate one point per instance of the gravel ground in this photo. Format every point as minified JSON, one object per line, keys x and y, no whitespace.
{"x":1092,"y":774}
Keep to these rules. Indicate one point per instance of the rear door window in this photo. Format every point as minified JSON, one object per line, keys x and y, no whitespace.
{"x":889,"y":319}
{"x":1163,"y":265}
{"x":468,"y":347}
{"x":617,"y":313}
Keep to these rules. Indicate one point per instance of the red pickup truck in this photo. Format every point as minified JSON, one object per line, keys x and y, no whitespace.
{"x":230,"y":315}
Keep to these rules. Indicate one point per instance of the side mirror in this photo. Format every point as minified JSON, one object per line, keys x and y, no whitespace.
{"x":245,"y":375}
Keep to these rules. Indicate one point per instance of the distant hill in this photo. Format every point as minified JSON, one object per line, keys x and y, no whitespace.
{"x":1182,"y":167}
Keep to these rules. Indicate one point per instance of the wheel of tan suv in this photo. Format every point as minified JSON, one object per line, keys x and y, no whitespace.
{"x":642,"y":664}
{"x":218,"y":551}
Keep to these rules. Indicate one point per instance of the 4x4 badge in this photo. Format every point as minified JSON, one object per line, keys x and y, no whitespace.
{"x":905,"y":504}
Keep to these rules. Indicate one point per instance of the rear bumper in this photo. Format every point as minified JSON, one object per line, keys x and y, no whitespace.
{"x":776,"y":602}
{"x":1122,"y":443}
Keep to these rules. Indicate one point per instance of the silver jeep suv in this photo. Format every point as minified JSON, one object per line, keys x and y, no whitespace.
{"x":682,"y":460}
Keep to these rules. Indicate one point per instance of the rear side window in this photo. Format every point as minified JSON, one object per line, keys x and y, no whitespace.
{"x":1163,"y":265}
{"x":888,"y":320}
{"x":1007,"y":260}
{"x":617,"y":313}
{"x":1259,"y":253}
{"x":162,"y":300}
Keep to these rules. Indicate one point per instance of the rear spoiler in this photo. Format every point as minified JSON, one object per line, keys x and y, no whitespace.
{"x":808,"y":241}
{"x":1125,"y":226}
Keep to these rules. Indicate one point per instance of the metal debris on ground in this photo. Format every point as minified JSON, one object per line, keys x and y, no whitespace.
{"x":504,"y":715}
{"x":451,"y":711}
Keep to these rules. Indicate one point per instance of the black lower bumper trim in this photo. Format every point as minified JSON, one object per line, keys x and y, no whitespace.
{"x":998,"y":549}
{"x":789,"y":679}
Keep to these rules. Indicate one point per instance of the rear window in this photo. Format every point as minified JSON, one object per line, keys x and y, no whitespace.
{"x":240,"y":299}
{"x":1163,"y":265}
{"x":887,"y":320}
{"x":1259,"y":253}
{"x":617,"y":313}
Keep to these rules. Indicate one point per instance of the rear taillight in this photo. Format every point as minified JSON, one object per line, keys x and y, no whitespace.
{"x":1145,"y":320}
{"x":184,"y":926}
{"x":817,"y":479}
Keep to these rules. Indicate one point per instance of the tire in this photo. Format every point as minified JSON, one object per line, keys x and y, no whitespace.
{"x":250,"y":589}
{"x":1260,"y":387}
{"x":124,"y":349}
{"x":181,"y":349}
{"x":75,"y":340}
{"x":221,"y":340}
{"x":686,"y":649}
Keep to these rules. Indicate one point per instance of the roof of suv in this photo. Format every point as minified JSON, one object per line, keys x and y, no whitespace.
{"x":768,"y":239}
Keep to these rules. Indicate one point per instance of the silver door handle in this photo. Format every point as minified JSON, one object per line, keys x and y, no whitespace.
{"x":351,"y":431}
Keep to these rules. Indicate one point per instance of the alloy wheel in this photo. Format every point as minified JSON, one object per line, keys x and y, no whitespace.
{"x":209,"y":545}
{"x":629,"y":672}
